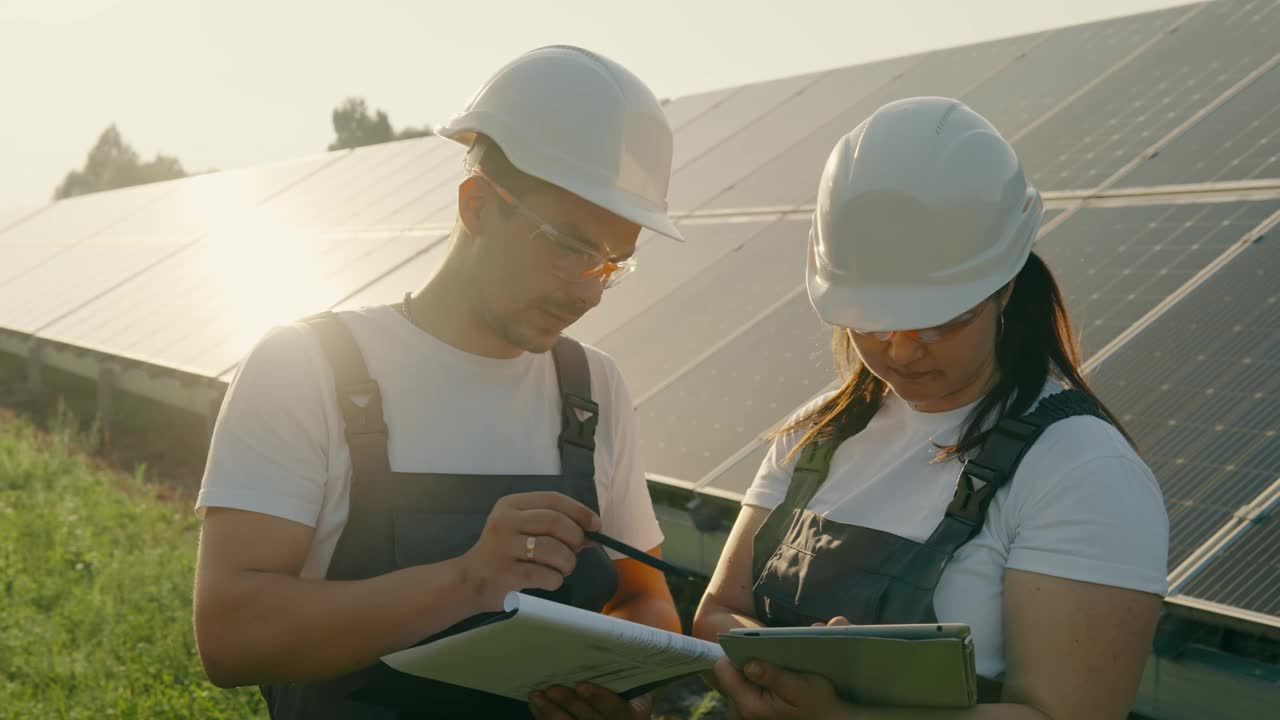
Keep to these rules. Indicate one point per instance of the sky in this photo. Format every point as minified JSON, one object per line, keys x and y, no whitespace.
{"x":235,"y":83}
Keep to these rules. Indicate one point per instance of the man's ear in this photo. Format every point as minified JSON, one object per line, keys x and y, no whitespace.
{"x":473,"y":201}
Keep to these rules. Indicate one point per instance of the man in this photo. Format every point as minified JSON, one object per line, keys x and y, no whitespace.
{"x":379,"y":475}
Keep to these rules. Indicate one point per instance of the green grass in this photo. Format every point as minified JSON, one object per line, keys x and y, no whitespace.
{"x":95,"y":586}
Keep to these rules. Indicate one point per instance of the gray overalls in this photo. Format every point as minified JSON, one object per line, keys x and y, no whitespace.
{"x":397,"y":520}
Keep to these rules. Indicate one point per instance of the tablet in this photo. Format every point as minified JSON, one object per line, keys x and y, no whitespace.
{"x":934,"y":631}
{"x":924,"y":665}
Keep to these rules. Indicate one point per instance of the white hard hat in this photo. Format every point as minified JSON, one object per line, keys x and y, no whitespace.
{"x":923,"y":211}
{"x":581,"y":122}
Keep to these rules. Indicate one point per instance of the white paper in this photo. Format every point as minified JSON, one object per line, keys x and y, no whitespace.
{"x":546,"y":643}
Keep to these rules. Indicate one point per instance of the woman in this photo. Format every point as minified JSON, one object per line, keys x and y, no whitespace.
{"x":955,"y":346}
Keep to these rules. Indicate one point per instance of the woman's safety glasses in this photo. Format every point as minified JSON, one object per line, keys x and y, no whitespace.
{"x":571,"y":260}
{"x":933,"y":334}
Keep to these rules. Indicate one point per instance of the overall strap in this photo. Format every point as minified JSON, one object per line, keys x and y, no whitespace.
{"x":813,"y":465}
{"x":359,"y":398}
{"x":578,"y":416}
{"x":995,"y":464}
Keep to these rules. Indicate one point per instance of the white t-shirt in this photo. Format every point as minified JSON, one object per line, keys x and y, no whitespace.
{"x":278,"y":446}
{"x":1081,"y":506}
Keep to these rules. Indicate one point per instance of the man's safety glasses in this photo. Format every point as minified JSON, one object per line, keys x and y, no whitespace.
{"x":571,"y":259}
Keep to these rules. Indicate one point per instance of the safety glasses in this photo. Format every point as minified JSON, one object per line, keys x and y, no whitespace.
{"x":934,"y":334}
{"x":570,"y":259}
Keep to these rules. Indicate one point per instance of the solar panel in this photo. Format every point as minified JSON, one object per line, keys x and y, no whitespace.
{"x":712,"y":305}
{"x":202,"y":308}
{"x":349,"y":189}
{"x":790,"y":178}
{"x":1067,"y":60}
{"x":1246,"y":574}
{"x":28,"y":245}
{"x":1116,"y":264}
{"x":733,"y":112}
{"x":684,"y":109}
{"x":735,"y":477}
{"x":14,"y":216}
{"x":408,"y":276}
{"x":1119,"y":118}
{"x":1200,"y":391}
{"x":422,"y":186}
{"x":664,"y":266}
{"x":809,"y":106}
{"x":736,"y":392}
{"x":1238,"y":141}
{"x":84,"y":270}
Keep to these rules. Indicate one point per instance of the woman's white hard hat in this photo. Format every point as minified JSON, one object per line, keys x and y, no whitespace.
{"x":923,"y":211}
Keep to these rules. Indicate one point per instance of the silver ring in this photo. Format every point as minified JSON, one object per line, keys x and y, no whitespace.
{"x":529,"y":544}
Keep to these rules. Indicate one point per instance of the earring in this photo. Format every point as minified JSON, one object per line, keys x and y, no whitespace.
{"x":1000,"y":332}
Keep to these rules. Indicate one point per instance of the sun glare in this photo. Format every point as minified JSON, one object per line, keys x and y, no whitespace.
{"x":261,"y":270}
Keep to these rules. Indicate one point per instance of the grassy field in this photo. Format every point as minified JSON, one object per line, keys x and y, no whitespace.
{"x":95,"y":584}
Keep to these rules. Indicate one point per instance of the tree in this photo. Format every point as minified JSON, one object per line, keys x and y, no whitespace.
{"x":412,"y":132}
{"x":112,"y":163}
{"x":355,"y":127}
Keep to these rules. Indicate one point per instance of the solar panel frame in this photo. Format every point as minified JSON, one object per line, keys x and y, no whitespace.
{"x":1246,"y":574}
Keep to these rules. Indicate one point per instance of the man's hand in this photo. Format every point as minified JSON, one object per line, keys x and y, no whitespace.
{"x":588,"y":702}
{"x":531,"y":540}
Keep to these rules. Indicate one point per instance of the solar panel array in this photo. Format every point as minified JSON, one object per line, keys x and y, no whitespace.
{"x":1172,"y":296}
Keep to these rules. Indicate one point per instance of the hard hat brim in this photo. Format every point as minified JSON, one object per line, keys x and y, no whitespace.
{"x":616,"y":201}
{"x":883,"y":308}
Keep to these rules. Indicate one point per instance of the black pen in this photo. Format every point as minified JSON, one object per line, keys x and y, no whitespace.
{"x":640,"y":555}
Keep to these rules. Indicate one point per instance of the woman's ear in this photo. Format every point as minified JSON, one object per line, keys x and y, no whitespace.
{"x":1006,"y":293}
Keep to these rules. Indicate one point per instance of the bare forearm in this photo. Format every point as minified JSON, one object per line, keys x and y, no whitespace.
{"x":659,"y":612}
{"x":261,"y":627}
{"x":713,"y":618}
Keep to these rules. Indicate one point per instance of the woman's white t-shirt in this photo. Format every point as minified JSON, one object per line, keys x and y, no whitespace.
{"x":1082,"y":506}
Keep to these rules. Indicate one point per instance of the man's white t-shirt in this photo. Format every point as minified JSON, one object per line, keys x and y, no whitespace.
{"x":278,"y":446}
{"x":1081,"y":506}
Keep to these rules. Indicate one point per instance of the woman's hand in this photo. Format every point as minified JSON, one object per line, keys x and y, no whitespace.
{"x":767,"y":691}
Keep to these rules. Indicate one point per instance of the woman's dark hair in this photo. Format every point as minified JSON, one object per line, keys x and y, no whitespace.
{"x":1037,"y":342}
